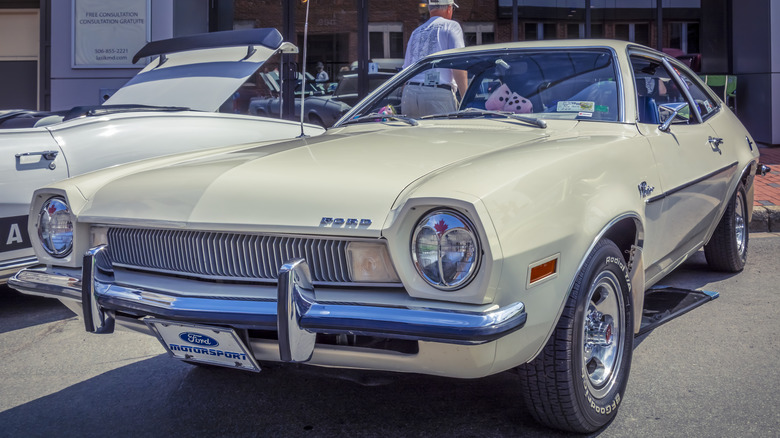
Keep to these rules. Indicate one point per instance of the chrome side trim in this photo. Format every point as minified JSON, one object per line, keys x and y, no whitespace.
{"x":691,"y":183}
{"x":11,"y":267}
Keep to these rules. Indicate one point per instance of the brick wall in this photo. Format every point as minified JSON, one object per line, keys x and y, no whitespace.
{"x":340,"y":16}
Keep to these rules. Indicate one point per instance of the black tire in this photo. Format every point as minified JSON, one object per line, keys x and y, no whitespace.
{"x":578,"y":380}
{"x":727,"y":249}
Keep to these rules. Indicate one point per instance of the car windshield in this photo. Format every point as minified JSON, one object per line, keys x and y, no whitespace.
{"x":349,"y":83}
{"x":541,"y":84}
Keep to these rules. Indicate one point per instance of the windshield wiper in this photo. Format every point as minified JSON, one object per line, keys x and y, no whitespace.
{"x":474,"y":112}
{"x":372,"y":117}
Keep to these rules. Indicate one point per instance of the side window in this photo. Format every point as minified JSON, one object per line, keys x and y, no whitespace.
{"x":704,"y":102}
{"x":654,"y":87}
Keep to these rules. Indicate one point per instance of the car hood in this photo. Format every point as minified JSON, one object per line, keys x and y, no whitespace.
{"x":192,"y":73}
{"x":351,"y":173}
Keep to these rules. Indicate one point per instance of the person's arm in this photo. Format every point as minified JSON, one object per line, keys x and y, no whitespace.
{"x":461,"y":80}
{"x":461,"y":76}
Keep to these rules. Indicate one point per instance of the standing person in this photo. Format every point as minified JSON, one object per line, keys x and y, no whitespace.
{"x":322,"y":75}
{"x":434,"y":91}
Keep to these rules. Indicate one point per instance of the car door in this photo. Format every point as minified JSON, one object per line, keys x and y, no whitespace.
{"x":29,"y":159}
{"x":694,"y":172}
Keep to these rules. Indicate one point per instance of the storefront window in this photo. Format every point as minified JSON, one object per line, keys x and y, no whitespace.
{"x":684,"y":36}
{"x":478,"y":33}
{"x":575,"y":30}
{"x":541,"y":31}
{"x":634,"y":32}
{"x":385,"y":40}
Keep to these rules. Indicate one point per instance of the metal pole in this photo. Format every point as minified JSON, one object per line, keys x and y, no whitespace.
{"x":303,"y":69}
{"x":287,"y":69}
{"x":362,"y":9}
{"x":588,"y":19}
{"x":659,"y":40}
{"x":514,"y":20}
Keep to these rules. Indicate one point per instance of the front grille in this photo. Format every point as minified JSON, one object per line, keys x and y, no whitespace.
{"x":226,"y":256}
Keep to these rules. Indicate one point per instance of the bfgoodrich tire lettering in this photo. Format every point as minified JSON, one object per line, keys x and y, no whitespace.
{"x":727,"y":248}
{"x":577,"y":382}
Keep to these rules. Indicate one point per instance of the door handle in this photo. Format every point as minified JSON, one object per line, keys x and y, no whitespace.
{"x":47,"y":155}
{"x":715,"y":142}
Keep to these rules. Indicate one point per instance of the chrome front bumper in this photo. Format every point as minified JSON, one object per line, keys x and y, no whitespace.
{"x":295,"y":314}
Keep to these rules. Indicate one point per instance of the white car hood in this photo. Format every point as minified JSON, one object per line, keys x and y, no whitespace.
{"x":200,"y":79}
{"x":291,"y":186}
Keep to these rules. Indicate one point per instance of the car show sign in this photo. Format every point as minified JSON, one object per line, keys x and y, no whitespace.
{"x":107,"y":33}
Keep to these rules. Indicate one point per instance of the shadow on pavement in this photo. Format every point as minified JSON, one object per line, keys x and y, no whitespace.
{"x":18,"y":311}
{"x":694,"y":274}
{"x":167,"y":397}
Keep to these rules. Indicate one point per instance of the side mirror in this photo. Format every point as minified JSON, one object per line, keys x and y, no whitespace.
{"x":669,"y":112}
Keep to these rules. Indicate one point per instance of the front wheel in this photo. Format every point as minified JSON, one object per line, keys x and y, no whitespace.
{"x":727,"y":248}
{"x":578,"y":380}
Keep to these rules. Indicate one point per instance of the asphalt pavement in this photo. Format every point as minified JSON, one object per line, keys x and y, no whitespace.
{"x":711,"y":372}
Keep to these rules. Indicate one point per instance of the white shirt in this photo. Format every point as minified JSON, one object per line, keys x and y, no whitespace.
{"x":322,"y":76}
{"x":435,"y":35}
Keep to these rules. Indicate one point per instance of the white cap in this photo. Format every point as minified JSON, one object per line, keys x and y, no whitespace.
{"x":442,"y":3}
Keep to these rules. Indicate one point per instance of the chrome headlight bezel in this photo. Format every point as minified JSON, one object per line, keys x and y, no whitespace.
{"x":55,"y":227}
{"x":455,"y":222}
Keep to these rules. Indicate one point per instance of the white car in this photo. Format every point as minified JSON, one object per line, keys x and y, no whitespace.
{"x":168,"y":108}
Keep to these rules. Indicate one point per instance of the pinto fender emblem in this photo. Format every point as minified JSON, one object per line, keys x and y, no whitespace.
{"x":645,"y":189}
{"x":339,"y":221}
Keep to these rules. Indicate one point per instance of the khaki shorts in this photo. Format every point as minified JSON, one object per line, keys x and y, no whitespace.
{"x":422,"y":100}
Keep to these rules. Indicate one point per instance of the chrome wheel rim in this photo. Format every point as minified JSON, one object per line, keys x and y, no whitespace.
{"x":603,"y":334}
{"x":739,"y":224}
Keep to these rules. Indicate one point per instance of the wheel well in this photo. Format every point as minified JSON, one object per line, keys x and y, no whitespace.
{"x":624,"y":234}
{"x":748,"y":174}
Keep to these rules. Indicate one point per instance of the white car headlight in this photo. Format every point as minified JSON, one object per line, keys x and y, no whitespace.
{"x":445,"y":249}
{"x":55,"y":227}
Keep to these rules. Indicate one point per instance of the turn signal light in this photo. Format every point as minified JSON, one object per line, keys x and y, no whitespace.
{"x":543,"y":270}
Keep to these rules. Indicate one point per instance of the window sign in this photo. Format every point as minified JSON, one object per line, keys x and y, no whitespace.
{"x":108,"y":33}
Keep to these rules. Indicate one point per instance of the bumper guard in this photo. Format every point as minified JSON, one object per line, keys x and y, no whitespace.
{"x":301,"y":317}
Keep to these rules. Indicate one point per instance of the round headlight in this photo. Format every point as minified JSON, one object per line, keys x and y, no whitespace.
{"x":445,"y":249}
{"x":55,"y":227}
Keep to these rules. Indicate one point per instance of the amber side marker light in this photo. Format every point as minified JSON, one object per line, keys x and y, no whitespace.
{"x":543,"y":269}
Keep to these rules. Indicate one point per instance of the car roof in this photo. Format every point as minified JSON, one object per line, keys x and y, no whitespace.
{"x":617,"y":45}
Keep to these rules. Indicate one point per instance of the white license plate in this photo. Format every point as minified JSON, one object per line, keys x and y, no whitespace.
{"x":203,"y":344}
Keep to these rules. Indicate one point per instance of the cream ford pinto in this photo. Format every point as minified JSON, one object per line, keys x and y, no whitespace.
{"x":518,"y":229}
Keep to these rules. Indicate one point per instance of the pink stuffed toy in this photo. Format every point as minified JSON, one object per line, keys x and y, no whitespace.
{"x":498,"y":98}
{"x":519,"y":105}
{"x":503,"y":99}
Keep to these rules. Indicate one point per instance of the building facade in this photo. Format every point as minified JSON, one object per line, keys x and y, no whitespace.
{"x":716,"y":37}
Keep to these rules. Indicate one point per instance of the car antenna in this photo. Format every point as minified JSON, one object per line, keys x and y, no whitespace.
{"x":303,"y":69}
